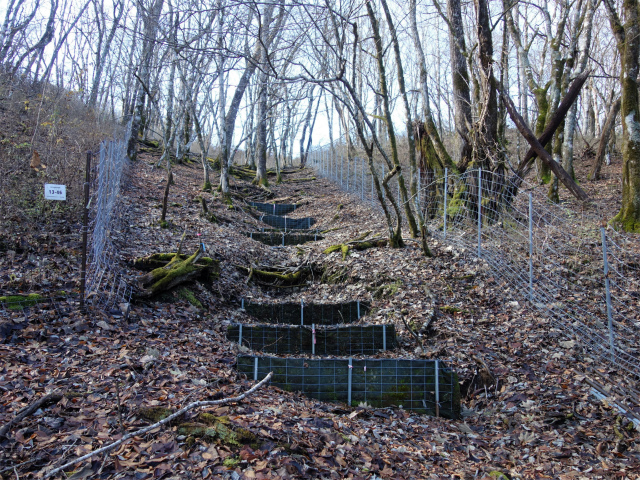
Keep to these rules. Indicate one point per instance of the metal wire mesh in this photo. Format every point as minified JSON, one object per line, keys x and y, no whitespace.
{"x":274,"y":208}
{"x":331,"y":340}
{"x":105,"y":285}
{"x":573,"y":271}
{"x":307,"y":314}
{"x":287,"y":223}
{"x":283,"y":239}
{"x":424,"y":386}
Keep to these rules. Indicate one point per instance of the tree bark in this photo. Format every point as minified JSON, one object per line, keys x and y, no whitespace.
{"x":609,"y":124}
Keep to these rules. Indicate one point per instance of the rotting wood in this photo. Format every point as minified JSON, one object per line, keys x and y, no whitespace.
{"x":175,"y":272}
{"x":358,"y":243}
{"x":48,"y":399}
{"x":142,"y":431}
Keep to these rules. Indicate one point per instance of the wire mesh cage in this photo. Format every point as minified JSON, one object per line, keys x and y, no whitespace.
{"x":283,"y":239}
{"x":274,"y":208}
{"x":330,"y":340}
{"x":285,"y":223}
{"x":307,"y":314}
{"x":105,"y":285}
{"x":424,"y":386}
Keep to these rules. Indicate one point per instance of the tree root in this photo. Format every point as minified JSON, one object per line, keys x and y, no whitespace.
{"x":176,"y":271}
{"x":357,"y":244}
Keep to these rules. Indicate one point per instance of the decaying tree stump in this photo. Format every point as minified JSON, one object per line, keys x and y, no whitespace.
{"x":171,"y":269}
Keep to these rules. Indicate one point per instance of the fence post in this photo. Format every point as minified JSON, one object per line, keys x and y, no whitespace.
{"x":437,"y":388}
{"x":446,"y":186}
{"x":372,"y":188}
{"x":239,"y":334}
{"x":530,"y":248}
{"x":479,"y":212}
{"x":313,"y":339}
{"x":362,"y":182}
{"x":301,"y":311}
{"x":255,"y":368}
{"x":607,"y":292}
{"x":85,"y":228}
{"x":384,"y":337}
{"x":349,"y":383}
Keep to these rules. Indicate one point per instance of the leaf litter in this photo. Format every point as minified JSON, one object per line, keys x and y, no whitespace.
{"x":528,"y":406}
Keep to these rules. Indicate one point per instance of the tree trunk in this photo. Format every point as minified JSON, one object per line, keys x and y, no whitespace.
{"x":413,"y":227}
{"x":628,"y":41}
{"x":609,"y":125}
{"x":460,"y":84}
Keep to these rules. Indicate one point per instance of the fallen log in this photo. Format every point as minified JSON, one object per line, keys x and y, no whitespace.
{"x":176,"y":270}
{"x":555,"y":167}
{"x":357,"y":244}
{"x":203,"y":403}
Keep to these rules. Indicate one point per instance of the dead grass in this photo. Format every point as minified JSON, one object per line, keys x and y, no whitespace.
{"x":54,"y":124}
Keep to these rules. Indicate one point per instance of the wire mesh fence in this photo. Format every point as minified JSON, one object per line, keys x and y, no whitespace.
{"x":274,"y":208}
{"x":283,"y":239}
{"x":573,"y":270}
{"x":285,"y":223}
{"x":424,"y":386}
{"x":330,"y":340}
{"x":307,"y":314}
{"x":105,"y":285}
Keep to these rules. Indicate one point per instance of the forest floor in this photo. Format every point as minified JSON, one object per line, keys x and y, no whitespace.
{"x":527,"y":410}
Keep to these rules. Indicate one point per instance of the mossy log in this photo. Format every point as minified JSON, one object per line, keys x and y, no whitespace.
{"x":357,"y":244}
{"x":277,"y":277}
{"x":159,"y":260}
{"x":176,"y":271}
{"x":300,"y":180}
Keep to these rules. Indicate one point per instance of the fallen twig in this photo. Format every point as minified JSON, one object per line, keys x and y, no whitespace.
{"x":53,"y":397}
{"x":164,"y":421}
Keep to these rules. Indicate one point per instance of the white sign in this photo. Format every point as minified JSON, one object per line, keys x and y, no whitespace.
{"x":55,"y":192}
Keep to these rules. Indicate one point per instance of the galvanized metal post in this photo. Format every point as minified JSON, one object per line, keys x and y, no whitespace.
{"x":608,"y":292}
{"x":313,"y":339}
{"x":479,"y":212}
{"x":362,"y":181}
{"x":349,"y":382}
{"x":530,"y":248}
{"x":85,"y":231}
{"x":255,"y":368}
{"x":301,"y":311}
{"x":446,"y":186}
{"x":437,"y":386}
{"x":384,"y":336}
{"x":240,"y":334}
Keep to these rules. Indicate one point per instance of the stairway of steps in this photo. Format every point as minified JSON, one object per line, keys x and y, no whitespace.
{"x":281,"y":233}
{"x":316,"y":344}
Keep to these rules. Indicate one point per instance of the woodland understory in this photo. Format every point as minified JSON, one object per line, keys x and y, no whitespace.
{"x":527,"y":408}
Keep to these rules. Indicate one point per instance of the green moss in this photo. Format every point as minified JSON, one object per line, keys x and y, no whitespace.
{"x":155,"y":414}
{"x":18,"y":302}
{"x":219,"y":429}
{"x":164,"y":224}
{"x":231,"y":462}
{"x":188,"y":295}
{"x":624,"y":222}
{"x":498,"y":475}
